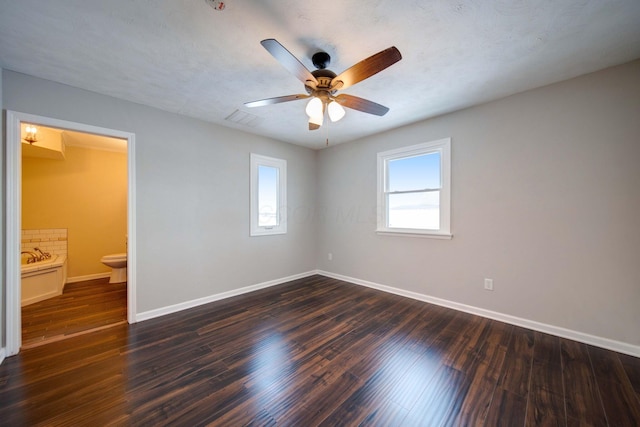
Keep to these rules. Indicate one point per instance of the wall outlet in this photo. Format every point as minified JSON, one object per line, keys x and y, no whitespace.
{"x":330,"y":256}
{"x":488,"y":284}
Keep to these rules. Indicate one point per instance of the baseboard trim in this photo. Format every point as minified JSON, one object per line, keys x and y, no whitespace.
{"x":3,"y":354}
{"x":151,"y":314}
{"x":39,"y":298}
{"x":76,"y":279}
{"x":619,"y":346}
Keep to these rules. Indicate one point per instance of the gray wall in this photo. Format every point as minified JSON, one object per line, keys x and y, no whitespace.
{"x":545,"y":201}
{"x":192,"y":194}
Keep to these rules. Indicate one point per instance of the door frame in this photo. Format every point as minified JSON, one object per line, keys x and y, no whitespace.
{"x":13,"y":215}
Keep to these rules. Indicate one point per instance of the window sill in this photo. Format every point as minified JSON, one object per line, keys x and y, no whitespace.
{"x":415,"y":233}
{"x":267,"y":233}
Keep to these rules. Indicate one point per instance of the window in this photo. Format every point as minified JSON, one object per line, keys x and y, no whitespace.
{"x":268,"y":195}
{"x":414,"y":185}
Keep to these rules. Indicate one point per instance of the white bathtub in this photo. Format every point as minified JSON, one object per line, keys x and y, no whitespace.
{"x":43,"y":279}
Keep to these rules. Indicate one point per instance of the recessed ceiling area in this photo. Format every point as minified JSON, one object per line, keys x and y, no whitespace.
{"x":188,"y":58}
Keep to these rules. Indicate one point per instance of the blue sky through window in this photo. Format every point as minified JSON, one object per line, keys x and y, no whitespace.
{"x":267,"y":196}
{"x":414,"y":173}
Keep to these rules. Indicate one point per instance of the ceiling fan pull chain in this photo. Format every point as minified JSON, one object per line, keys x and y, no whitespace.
{"x":327,"y":132}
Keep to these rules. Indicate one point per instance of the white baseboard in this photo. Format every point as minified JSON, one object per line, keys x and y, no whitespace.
{"x":39,"y":298}
{"x":607,"y":343}
{"x":76,"y":279}
{"x":3,"y":354}
{"x":146,"y":315}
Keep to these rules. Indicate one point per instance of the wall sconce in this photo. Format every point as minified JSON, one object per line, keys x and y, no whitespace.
{"x":31,"y":134}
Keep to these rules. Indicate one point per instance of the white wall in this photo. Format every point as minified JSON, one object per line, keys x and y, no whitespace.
{"x":192,"y":195}
{"x":2,"y":227}
{"x":545,"y":201}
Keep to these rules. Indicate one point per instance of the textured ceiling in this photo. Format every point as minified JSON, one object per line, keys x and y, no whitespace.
{"x":183,"y":56}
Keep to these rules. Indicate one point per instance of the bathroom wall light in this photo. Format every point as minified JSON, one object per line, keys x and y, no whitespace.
{"x":31,"y":131}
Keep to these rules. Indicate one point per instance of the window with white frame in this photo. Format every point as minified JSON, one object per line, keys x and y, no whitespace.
{"x":268,"y":195}
{"x":414,"y":190}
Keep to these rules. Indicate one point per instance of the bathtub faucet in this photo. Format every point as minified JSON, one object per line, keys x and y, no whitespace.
{"x":43,"y":255}
{"x":32,"y":257}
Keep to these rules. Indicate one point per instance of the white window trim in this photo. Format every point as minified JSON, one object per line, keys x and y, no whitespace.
{"x":256,"y":161}
{"x":443,"y":146}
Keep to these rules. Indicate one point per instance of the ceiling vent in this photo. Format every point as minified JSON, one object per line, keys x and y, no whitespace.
{"x":243,"y":118}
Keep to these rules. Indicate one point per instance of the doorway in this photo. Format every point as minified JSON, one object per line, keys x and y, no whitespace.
{"x":13,"y":215}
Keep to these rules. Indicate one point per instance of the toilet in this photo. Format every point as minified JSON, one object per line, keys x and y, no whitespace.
{"x":118,"y":264}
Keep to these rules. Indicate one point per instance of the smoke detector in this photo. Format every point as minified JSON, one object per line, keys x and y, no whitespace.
{"x":217,"y":5}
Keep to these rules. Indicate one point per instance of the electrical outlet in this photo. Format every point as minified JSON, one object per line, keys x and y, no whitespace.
{"x":330,"y":256}
{"x":488,"y":284}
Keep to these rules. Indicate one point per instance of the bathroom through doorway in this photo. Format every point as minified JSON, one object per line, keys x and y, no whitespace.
{"x":76,"y":236}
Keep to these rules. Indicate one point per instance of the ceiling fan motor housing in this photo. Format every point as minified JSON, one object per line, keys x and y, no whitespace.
{"x":324,"y":78}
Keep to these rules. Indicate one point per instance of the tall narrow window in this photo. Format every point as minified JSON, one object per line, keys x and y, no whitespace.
{"x":268,"y":195}
{"x":414,"y":189}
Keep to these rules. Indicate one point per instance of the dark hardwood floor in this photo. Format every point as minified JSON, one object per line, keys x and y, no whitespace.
{"x":319,"y":352}
{"x":82,"y":307}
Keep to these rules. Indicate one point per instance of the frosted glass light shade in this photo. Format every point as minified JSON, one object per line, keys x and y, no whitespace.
{"x":336,"y":112}
{"x":316,"y":120}
{"x":314,"y":107}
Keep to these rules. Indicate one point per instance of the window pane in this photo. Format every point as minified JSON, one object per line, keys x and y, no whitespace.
{"x":414,"y":173}
{"x":414,"y":210}
{"x":267,"y":196}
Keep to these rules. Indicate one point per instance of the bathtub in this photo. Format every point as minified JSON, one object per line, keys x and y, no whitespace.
{"x":43,"y":279}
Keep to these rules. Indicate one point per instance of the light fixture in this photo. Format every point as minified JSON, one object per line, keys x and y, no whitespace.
{"x":336,"y":112}
{"x":31,"y":134}
{"x":316,"y":120}
{"x":315,"y":107}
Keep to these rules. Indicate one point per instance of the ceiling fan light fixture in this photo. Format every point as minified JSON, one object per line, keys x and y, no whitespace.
{"x":336,"y":112}
{"x":316,"y":120}
{"x":314,"y":107}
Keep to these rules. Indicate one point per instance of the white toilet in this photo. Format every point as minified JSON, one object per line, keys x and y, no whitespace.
{"x":118,"y":264}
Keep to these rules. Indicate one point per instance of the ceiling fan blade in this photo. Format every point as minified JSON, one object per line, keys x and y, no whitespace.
{"x":276,"y":100}
{"x":290,"y":62}
{"x":360,"y":104}
{"x":366,"y":68}
{"x":313,"y":126}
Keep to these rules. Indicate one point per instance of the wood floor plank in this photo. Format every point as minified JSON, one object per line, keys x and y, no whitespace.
{"x":547,"y":376}
{"x":545,"y":408}
{"x":582,"y":398}
{"x":631,"y":367}
{"x":441,"y":400}
{"x":607,"y":365}
{"x":314,"y":351}
{"x":546,"y":348}
{"x":507,"y":409}
{"x":620,"y":403}
{"x":475,"y":407}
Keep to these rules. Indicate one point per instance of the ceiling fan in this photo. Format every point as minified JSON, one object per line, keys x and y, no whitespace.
{"x":322,"y":84}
